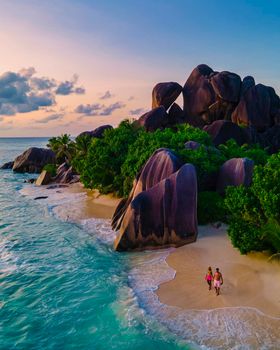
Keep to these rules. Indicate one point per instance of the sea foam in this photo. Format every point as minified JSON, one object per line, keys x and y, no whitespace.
{"x":225,"y":328}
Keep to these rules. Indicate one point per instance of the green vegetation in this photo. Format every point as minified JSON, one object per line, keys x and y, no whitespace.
{"x":146,"y":143}
{"x":101,"y":167}
{"x":254,"y":212}
{"x":210,"y":207}
{"x":111,"y":163}
{"x":50,"y":168}
{"x":63,"y":147}
{"x":232,"y":150}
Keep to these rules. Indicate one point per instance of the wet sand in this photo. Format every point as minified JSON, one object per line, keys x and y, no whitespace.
{"x":249,"y":281}
{"x":89,"y":204}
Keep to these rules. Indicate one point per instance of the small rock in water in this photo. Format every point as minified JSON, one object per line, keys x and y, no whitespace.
{"x":30,"y":181}
{"x":8,"y":165}
{"x":52,"y":187}
{"x":40,"y":197}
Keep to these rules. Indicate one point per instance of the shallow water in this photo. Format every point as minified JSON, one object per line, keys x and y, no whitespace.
{"x":62,"y":287}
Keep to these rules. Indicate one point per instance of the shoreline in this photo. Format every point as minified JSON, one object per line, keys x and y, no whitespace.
{"x":73,"y":202}
{"x":249,"y":281}
{"x":159,"y":278}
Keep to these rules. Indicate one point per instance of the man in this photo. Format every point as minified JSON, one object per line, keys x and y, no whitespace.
{"x":218,"y":281}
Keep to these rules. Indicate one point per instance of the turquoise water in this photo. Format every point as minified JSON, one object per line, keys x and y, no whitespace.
{"x":60,"y":286}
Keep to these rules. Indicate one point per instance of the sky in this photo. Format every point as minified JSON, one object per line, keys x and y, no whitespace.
{"x":67,"y":66}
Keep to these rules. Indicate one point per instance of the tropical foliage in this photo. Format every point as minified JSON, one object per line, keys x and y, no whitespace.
{"x":254,"y":221}
{"x":210,"y":207}
{"x":50,"y":168}
{"x":63,"y":147}
{"x":111,"y":163}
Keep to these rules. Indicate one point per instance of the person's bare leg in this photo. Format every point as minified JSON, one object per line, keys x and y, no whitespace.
{"x":218,"y":291}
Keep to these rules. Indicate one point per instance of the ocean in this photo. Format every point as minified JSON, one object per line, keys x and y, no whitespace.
{"x":61,"y":285}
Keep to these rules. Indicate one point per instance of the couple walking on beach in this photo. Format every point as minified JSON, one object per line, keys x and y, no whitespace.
{"x":217,"y":278}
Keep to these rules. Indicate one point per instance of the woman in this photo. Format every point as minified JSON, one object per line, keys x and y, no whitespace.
{"x":209,"y":277}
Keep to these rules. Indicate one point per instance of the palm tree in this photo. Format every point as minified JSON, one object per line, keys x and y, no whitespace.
{"x":63,"y":147}
{"x":82,"y":144}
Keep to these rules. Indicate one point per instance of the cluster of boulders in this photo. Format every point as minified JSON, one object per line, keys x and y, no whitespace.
{"x":96,"y":133}
{"x":161,"y":209}
{"x":34,"y":159}
{"x":222,"y":104}
{"x":31,"y":161}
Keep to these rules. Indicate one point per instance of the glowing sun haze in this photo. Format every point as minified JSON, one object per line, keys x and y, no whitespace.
{"x":69,"y":66}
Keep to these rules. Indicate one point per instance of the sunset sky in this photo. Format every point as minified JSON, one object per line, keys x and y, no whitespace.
{"x":72,"y":65}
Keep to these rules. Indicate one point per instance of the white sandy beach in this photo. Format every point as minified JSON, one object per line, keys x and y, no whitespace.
{"x":249,"y":300}
{"x":249,"y":281}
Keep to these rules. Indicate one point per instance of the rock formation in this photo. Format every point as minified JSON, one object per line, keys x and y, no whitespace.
{"x":211,"y":96}
{"x":198,"y":94}
{"x":44,"y":178}
{"x":226,"y":86}
{"x":163,"y":215}
{"x":8,"y":165}
{"x":96,"y":133}
{"x":235,"y":172}
{"x":160,"y":165}
{"x":223,"y":130}
{"x":193,"y":145}
{"x":33,"y":160}
{"x":164,"y":94}
{"x":176,"y":115}
{"x":254,"y":108}
{"x":65,"y":174}
{"x":157,"y":118}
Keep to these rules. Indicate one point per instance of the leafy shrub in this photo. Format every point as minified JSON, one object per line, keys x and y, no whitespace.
{"x":174,"y":139}
{"x":266,"y":186}
{"x":254,"y":212}
{"x":207,"y":161}
{"x":82,"y":144}
{"x":101,"y":167}
{"x":232,"y":150}
{"x":210,"y":207}
{"x":50,"y":168}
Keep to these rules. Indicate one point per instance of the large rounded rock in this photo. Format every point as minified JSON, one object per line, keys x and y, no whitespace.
{"x":254,"y":108}
{"x":247,"y":83}
{"x":198,"y":92}
{"x":222,"y":130}
{"x":164,"y":215}
{"x":176,"y":115}
{"x":227,"y":86}
{"x":33,"y":160}
{"x":96,"y":133}
{"x":162,"y":163}
{"x":274,"y":105}
{"x":65,"y":174}
{"x":192,"y":145}
{"x":220,"y":110}
{"x":44,"y":178}
{"x":157,"y":118}
{"x":8,"y":165}
{"x":164,"y":94}
{"x":270,"y":139}
{"x":235,"y":172}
